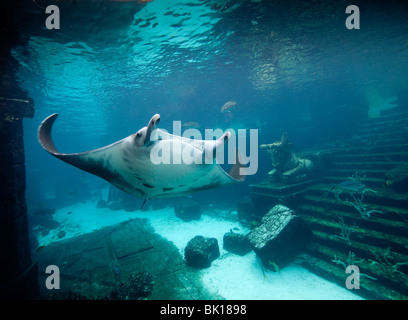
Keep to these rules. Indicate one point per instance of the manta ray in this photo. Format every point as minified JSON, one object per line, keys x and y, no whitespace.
{"x":133,"y":163}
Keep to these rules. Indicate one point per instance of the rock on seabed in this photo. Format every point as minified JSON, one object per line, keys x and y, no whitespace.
{"x":201,"y":251}
{"x":280,"y":236}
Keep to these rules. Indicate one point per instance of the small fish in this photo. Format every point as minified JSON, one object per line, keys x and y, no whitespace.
{"x":260,"y":265}
{"x":39,"y":248}
{"x":191,"y":124}
{"x":69,"y":193}
{"x":387,"y":184}
{"x":350,"y":185}
{"x":253,"y":224}
{"x":116,"y":270}
{"x":227,"y":107}
{"x":274,"y":265}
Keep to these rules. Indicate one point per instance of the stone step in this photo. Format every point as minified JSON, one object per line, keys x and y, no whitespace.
{"x":380,"y":156}
{"x":381,"y":282}
{"x":371,"y":183}
{"x":387,"y":127}
{"x":378,"y":146}
{"x":367,"y":165}
{"x":350,"y":216}
{"x":276,"y":189}
{"x":392,"y":201}
{"x":362,"y":153}
{"x":359,"y":236}
{"x":389,"y":115}
{"x":336,"y":247}
{"x":386,"y":122}
{"x":370,"y":173}
{"x":336,"y":273}
{"x":383,"y":140}
{"x":387,"y":210}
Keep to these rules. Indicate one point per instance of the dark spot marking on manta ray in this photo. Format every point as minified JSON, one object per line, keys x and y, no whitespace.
{"x":148,"y":185}
{"x":206,"y":187}
{"x":146,"y":24}
{"x":138,"y":177}
{"x":168,"y":189}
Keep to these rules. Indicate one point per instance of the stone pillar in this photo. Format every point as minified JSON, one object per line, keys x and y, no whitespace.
{"x":18,"y":273}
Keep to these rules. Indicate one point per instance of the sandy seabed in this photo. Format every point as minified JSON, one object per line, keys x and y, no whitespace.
{"x":230,"y":276}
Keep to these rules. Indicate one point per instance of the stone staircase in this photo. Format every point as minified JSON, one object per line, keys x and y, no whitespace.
{"x":368,"y":229}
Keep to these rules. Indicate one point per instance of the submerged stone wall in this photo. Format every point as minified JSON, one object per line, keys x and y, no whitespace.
{"x":18,"y":273}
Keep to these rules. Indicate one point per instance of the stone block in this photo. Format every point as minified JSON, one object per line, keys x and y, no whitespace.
{"x":278,"y":239}
{"x":236,"y":243}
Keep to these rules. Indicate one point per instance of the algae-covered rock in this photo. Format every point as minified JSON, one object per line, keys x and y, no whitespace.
{"x":201,"y":251}
{"x":236,"y":243}
{"x":279,"y":237}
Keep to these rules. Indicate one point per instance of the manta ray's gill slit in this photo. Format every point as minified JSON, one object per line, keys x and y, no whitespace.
{"x":137,"y":177}
{"x":167,"y":189}
{"x":148,"y":185}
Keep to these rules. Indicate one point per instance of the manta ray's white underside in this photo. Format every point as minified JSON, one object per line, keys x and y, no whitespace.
{"x":135,"y":164}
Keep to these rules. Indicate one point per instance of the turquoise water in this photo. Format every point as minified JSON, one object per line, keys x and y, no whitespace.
{"x":291,"y":66}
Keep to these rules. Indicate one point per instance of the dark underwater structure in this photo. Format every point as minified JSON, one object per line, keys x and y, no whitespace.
{"x":18,"y":273}
{"x":367,"y":227}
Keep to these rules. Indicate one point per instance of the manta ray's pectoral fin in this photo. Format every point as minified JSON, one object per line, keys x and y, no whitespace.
{"x":210,"y":147}
{"x":94,"y":161}
{"x":237,"y":171}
